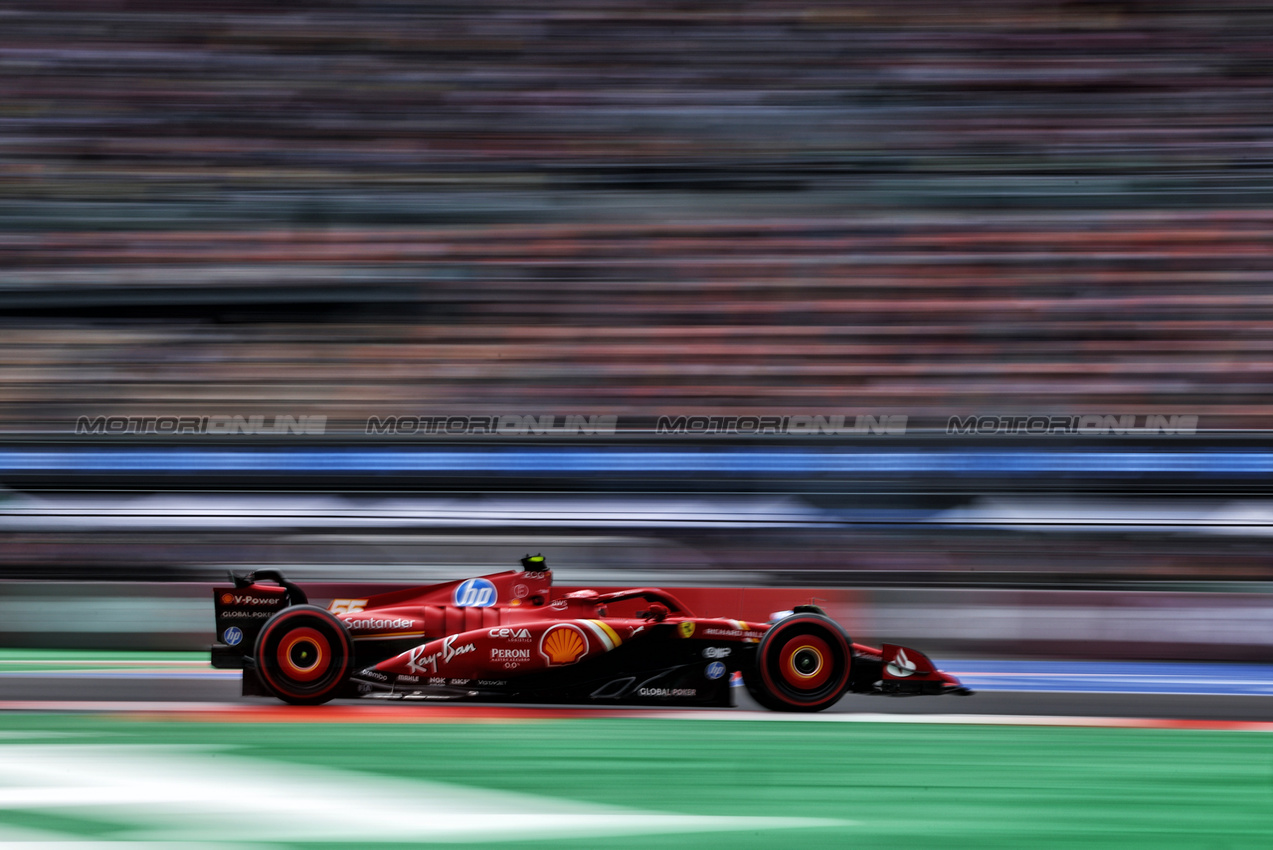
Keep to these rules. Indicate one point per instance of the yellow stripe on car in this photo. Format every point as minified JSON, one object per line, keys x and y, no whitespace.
{"x":608,"y":636}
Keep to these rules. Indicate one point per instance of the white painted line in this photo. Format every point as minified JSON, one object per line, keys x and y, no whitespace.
{"x":38,"y":843}
{"x":49,"y":705}
{"x":1113,"y":677}
{"x":181,"y":794}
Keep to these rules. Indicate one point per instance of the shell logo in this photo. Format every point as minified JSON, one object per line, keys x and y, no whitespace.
{"x":563,"y":644}
{"x":227,"y":598}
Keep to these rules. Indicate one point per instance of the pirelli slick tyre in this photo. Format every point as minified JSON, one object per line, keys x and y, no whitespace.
{"x":303,"y":655}
{"x":802,"y":664}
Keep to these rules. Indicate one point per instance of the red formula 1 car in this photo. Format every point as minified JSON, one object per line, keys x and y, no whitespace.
{"x":507,"y":638}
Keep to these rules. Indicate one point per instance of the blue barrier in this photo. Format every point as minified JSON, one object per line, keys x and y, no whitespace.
{"x":561,"y":460}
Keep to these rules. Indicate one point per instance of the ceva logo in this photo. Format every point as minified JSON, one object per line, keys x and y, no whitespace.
{"x":475,"y":593}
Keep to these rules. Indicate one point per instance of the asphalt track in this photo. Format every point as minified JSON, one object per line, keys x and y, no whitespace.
{"x":1223,"y":692}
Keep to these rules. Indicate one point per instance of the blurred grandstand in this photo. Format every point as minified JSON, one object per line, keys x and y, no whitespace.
{"x":635,"y":207}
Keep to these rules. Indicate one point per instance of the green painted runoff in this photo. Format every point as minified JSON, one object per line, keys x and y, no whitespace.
{"x":862,"y":785}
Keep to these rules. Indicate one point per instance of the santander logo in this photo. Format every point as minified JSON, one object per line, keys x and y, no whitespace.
{"x":901,"y":666}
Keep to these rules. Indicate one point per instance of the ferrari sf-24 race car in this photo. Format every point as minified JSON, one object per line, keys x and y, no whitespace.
{"x":506,"y":637}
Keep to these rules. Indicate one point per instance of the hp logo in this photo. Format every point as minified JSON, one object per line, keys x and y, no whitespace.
{"x":475,"y":593}
{"x":233,"y":636}
{"x":715,"y":670}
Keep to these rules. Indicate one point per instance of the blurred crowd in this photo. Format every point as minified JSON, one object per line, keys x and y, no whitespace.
{"x":1099,"y":314}
{"x":911,"y":555}
{"x":376,"y":208}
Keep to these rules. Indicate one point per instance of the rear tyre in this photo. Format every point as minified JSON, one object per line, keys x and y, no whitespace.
{"x":802,"y":664}
{"x":303,"y":655}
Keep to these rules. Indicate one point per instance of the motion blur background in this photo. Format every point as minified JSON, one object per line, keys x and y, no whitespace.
{"x":633,"y":210}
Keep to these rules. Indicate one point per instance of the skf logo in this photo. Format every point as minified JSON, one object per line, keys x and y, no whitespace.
{"x":475,"y":593}
{"x":687,"y":629}
{"x":563,"y":644}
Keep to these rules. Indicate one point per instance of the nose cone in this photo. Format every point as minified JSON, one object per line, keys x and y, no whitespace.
{"x":951,"y":685}
{"x":909,"y":671}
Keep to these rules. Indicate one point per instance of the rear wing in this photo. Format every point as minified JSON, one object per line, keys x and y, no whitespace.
{"x":241,"y":610}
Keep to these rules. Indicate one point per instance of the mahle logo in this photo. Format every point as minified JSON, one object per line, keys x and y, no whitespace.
{"x":475,"y":593}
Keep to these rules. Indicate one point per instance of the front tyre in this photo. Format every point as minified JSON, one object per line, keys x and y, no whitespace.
{"x":802,"y":664}
{"x":304,"y":655}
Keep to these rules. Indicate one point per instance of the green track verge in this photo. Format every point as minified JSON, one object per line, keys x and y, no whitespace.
{"x":888,"y":786}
